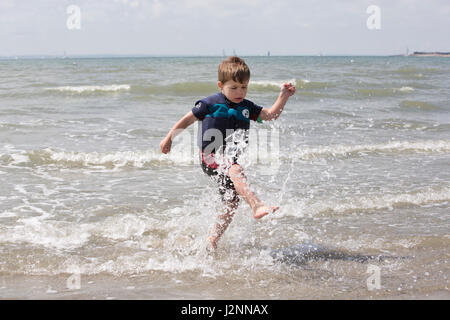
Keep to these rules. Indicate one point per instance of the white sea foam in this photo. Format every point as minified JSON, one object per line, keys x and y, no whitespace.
{"x":121,"y":227}
{"x":272,"y":83}
{"x":52,"y":234}
{"x":405,"y":89}
{"x":367,"y":202}
{"x":19,"y":158}
{"x":142,"y":243}
{"x":81,"y":89}
{"x":389,"y":147}
{"x":188,"y":154}
{"x":120,"y":158}
{"x":167,"y":245}
{"x":70,"y":235}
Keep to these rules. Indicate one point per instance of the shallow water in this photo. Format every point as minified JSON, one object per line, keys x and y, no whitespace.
{"x":359,"y":161}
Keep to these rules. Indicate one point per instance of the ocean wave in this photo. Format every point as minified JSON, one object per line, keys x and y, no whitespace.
{"x":204,"y":88}
{"x":136,"y":242}
{"x":180,"y":88}
{"x":177,"y":88}
{"x":140,"y":245}
{"x":384,"y":92}
{"x":417,"y":70}
{"x":369,"y":202}
{"x":405,"y":89}
{"x":299,"y":83}
{"x":57,"y":234}
{"x":412,"y":72}
{"x":306,"y":84}
{"x":421,"y":105}
{"x":270,"y":84}
{"x":429,"y":146}
{"x":118,"y":159}
{"x":183,"y":155}
{"x":91,"y":89}
{"x":111,"y":160}
{"x":402,"y":124}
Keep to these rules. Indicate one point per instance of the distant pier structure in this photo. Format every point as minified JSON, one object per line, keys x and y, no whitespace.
{"x":430,"y":54}
{"x":268,"y":53}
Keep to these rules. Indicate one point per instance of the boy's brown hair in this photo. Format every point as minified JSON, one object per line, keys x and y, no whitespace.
{"x":233,"y":68}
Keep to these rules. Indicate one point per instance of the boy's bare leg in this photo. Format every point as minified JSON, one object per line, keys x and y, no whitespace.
{"x":240,"y":184}
{"x":222,"y":224}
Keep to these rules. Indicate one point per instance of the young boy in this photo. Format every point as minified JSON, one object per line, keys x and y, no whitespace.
{"x":223,"y":114}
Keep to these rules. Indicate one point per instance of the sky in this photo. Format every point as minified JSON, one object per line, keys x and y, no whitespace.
{"x":213,"y":27}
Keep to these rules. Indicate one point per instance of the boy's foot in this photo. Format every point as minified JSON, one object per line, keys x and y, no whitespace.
{"x":262,"y":210}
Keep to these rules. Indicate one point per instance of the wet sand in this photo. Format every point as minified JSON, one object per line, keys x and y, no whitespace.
{"x":107,"y":287}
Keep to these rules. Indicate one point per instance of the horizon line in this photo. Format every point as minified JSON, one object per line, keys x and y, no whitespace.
{"x":111,"y":55}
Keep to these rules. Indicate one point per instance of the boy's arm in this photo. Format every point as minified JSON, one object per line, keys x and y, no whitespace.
{"x":182,"y":124}
{"x":274,"y":112}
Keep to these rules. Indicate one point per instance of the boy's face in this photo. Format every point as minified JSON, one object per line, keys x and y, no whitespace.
{"x":234,"y":91}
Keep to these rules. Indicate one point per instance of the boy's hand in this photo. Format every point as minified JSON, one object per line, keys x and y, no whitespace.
{"x":165,"y":145}
{"x":287,"y":89}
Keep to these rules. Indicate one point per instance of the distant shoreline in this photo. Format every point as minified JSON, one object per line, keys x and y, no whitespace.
{"x":430,"y":54}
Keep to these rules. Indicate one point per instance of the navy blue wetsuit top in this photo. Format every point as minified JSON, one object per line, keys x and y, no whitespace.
{"x":217,"y":112}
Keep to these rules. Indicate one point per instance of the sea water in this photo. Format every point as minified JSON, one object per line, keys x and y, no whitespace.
{"x":90,"y":208}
